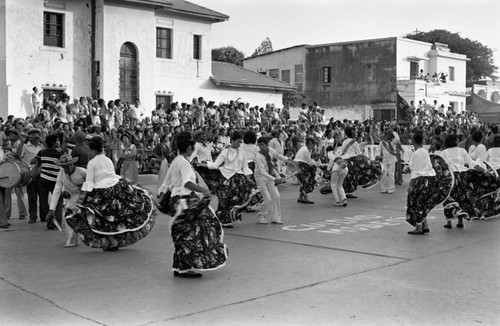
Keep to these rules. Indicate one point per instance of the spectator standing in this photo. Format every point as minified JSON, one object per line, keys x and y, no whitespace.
{"x":49,"y":170}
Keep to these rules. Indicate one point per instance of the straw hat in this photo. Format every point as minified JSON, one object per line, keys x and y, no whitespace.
{"x":66,"y":160}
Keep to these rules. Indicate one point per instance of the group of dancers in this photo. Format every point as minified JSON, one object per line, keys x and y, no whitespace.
{"x":106,"y":211}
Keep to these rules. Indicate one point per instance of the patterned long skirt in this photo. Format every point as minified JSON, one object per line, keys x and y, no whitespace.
{"x":425,"y":193}
{"x":124,"y":211}
{"x":470,"y":186}
{"x":213,"y":178}
{"x":234,"y":195}
{"x":362,"y":171}
{"x":197,"y":235}
{"x":306,"y":177}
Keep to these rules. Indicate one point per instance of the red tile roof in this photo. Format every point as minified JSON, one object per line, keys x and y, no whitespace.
{"x":227,"y":74}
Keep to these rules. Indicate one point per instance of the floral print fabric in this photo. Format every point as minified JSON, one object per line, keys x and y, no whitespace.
{"x":125,"y":211}
{"x":231,"y":192}
{"x":197,"y":235}
{"x":425,"y":193}
{"x":469,"y":187}
{"x":362,"y":171}
{"x":306,"y":177}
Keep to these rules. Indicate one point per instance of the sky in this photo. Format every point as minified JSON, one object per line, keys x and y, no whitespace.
{"x":293,"y":22}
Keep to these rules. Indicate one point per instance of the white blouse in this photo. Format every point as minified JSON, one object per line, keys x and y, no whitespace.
{"x":179,"y":173}
{"x":458,"y":157}
{"x":304,"y":156}
{"x":100,"y":173}
{"x":478,"y":153}
{"x":203,"y":153}
{"x":234,"y":162}
{"x":493,"y":157}
{"x":420,"y":164}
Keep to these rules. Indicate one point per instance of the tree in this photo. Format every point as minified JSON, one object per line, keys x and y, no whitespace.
{"x":228,"y":54}
{"x":265,"y":47}
{"x":481,"y":62}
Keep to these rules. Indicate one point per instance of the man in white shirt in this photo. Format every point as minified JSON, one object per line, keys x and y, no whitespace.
{"x":387,"y":149}
{"x":68,"y":186}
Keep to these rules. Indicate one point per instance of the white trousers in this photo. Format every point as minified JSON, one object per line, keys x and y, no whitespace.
{"x":271,"y":207}
{"x":336,"y":183}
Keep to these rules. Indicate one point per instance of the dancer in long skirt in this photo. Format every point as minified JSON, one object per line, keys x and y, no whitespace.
{"x":430,"y":185}
{"x":493,"y":155}
{"x":307,"y":174}
{"x":362,"y":170}
{"x":195,"y":229}
{"x":471,"y":182}
{"x":236,"y":188}
{"x":110,"y":213}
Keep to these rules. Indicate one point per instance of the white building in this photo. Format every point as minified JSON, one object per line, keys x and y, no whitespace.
{"x":360,"y":79}
{"x":154,"y":50}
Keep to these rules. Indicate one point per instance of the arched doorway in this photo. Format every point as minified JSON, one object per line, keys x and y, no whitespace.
{"x":129,"y":73}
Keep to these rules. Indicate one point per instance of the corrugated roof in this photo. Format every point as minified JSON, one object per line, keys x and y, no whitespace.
{"x":231,"y":75}
{"x":185,"y":7}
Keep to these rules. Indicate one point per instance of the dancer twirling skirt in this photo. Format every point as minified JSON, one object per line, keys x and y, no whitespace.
{"x":307,"y":174}
{"x":111,"y":212}
{"x":430,"y":185}
{"x":362,"y":171}
{"x":195,"y":229}
{"x":236,"y":188}
{"x":469,"y":184}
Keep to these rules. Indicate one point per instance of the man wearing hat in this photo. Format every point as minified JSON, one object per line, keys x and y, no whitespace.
{"x":30,"y":149}
{"x":13,"y":152}
{"x":387,"y":149}
{"x":68,"y":186}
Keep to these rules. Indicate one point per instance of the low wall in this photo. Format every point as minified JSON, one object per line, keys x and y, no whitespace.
{"x":356,"y":112}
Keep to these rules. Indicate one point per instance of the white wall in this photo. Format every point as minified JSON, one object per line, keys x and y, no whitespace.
{"x":210,"y":92}
{"x":438,"y":61}
{"x":181,"y":75}
{"x":282,"y":60}
{"x":30,"y":63}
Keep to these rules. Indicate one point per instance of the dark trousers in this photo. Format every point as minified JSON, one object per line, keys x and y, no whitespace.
{"x":33,"y":199}
{"x":45,"y":188}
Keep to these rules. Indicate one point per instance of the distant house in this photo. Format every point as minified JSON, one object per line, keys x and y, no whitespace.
{"x":484,"y":99}
{"x":156,"y":50}
{"x":362,"y":78}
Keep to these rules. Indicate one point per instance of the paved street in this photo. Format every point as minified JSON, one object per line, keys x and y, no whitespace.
{"x":324,"y":266}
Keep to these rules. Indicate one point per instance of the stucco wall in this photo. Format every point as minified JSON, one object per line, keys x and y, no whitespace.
{"x":282,"y":60}
{"x":349,"y":64}
{"x":210,"y":92}
{"x":180,"y":75}
{"x":30,"y":63}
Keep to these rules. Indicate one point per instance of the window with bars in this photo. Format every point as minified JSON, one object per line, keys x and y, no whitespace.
{"x":164,"y":43}
{"x":197,"y":47}
{"x":326,"y":75}
{"x":53,"y":29}
{"x":165,"y":99}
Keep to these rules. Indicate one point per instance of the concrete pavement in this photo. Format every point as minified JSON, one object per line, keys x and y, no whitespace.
{"x":325,"y":266}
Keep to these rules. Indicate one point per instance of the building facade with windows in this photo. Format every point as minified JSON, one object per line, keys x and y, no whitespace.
{"x":153,"y":50}
{"x":364,"y":77}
